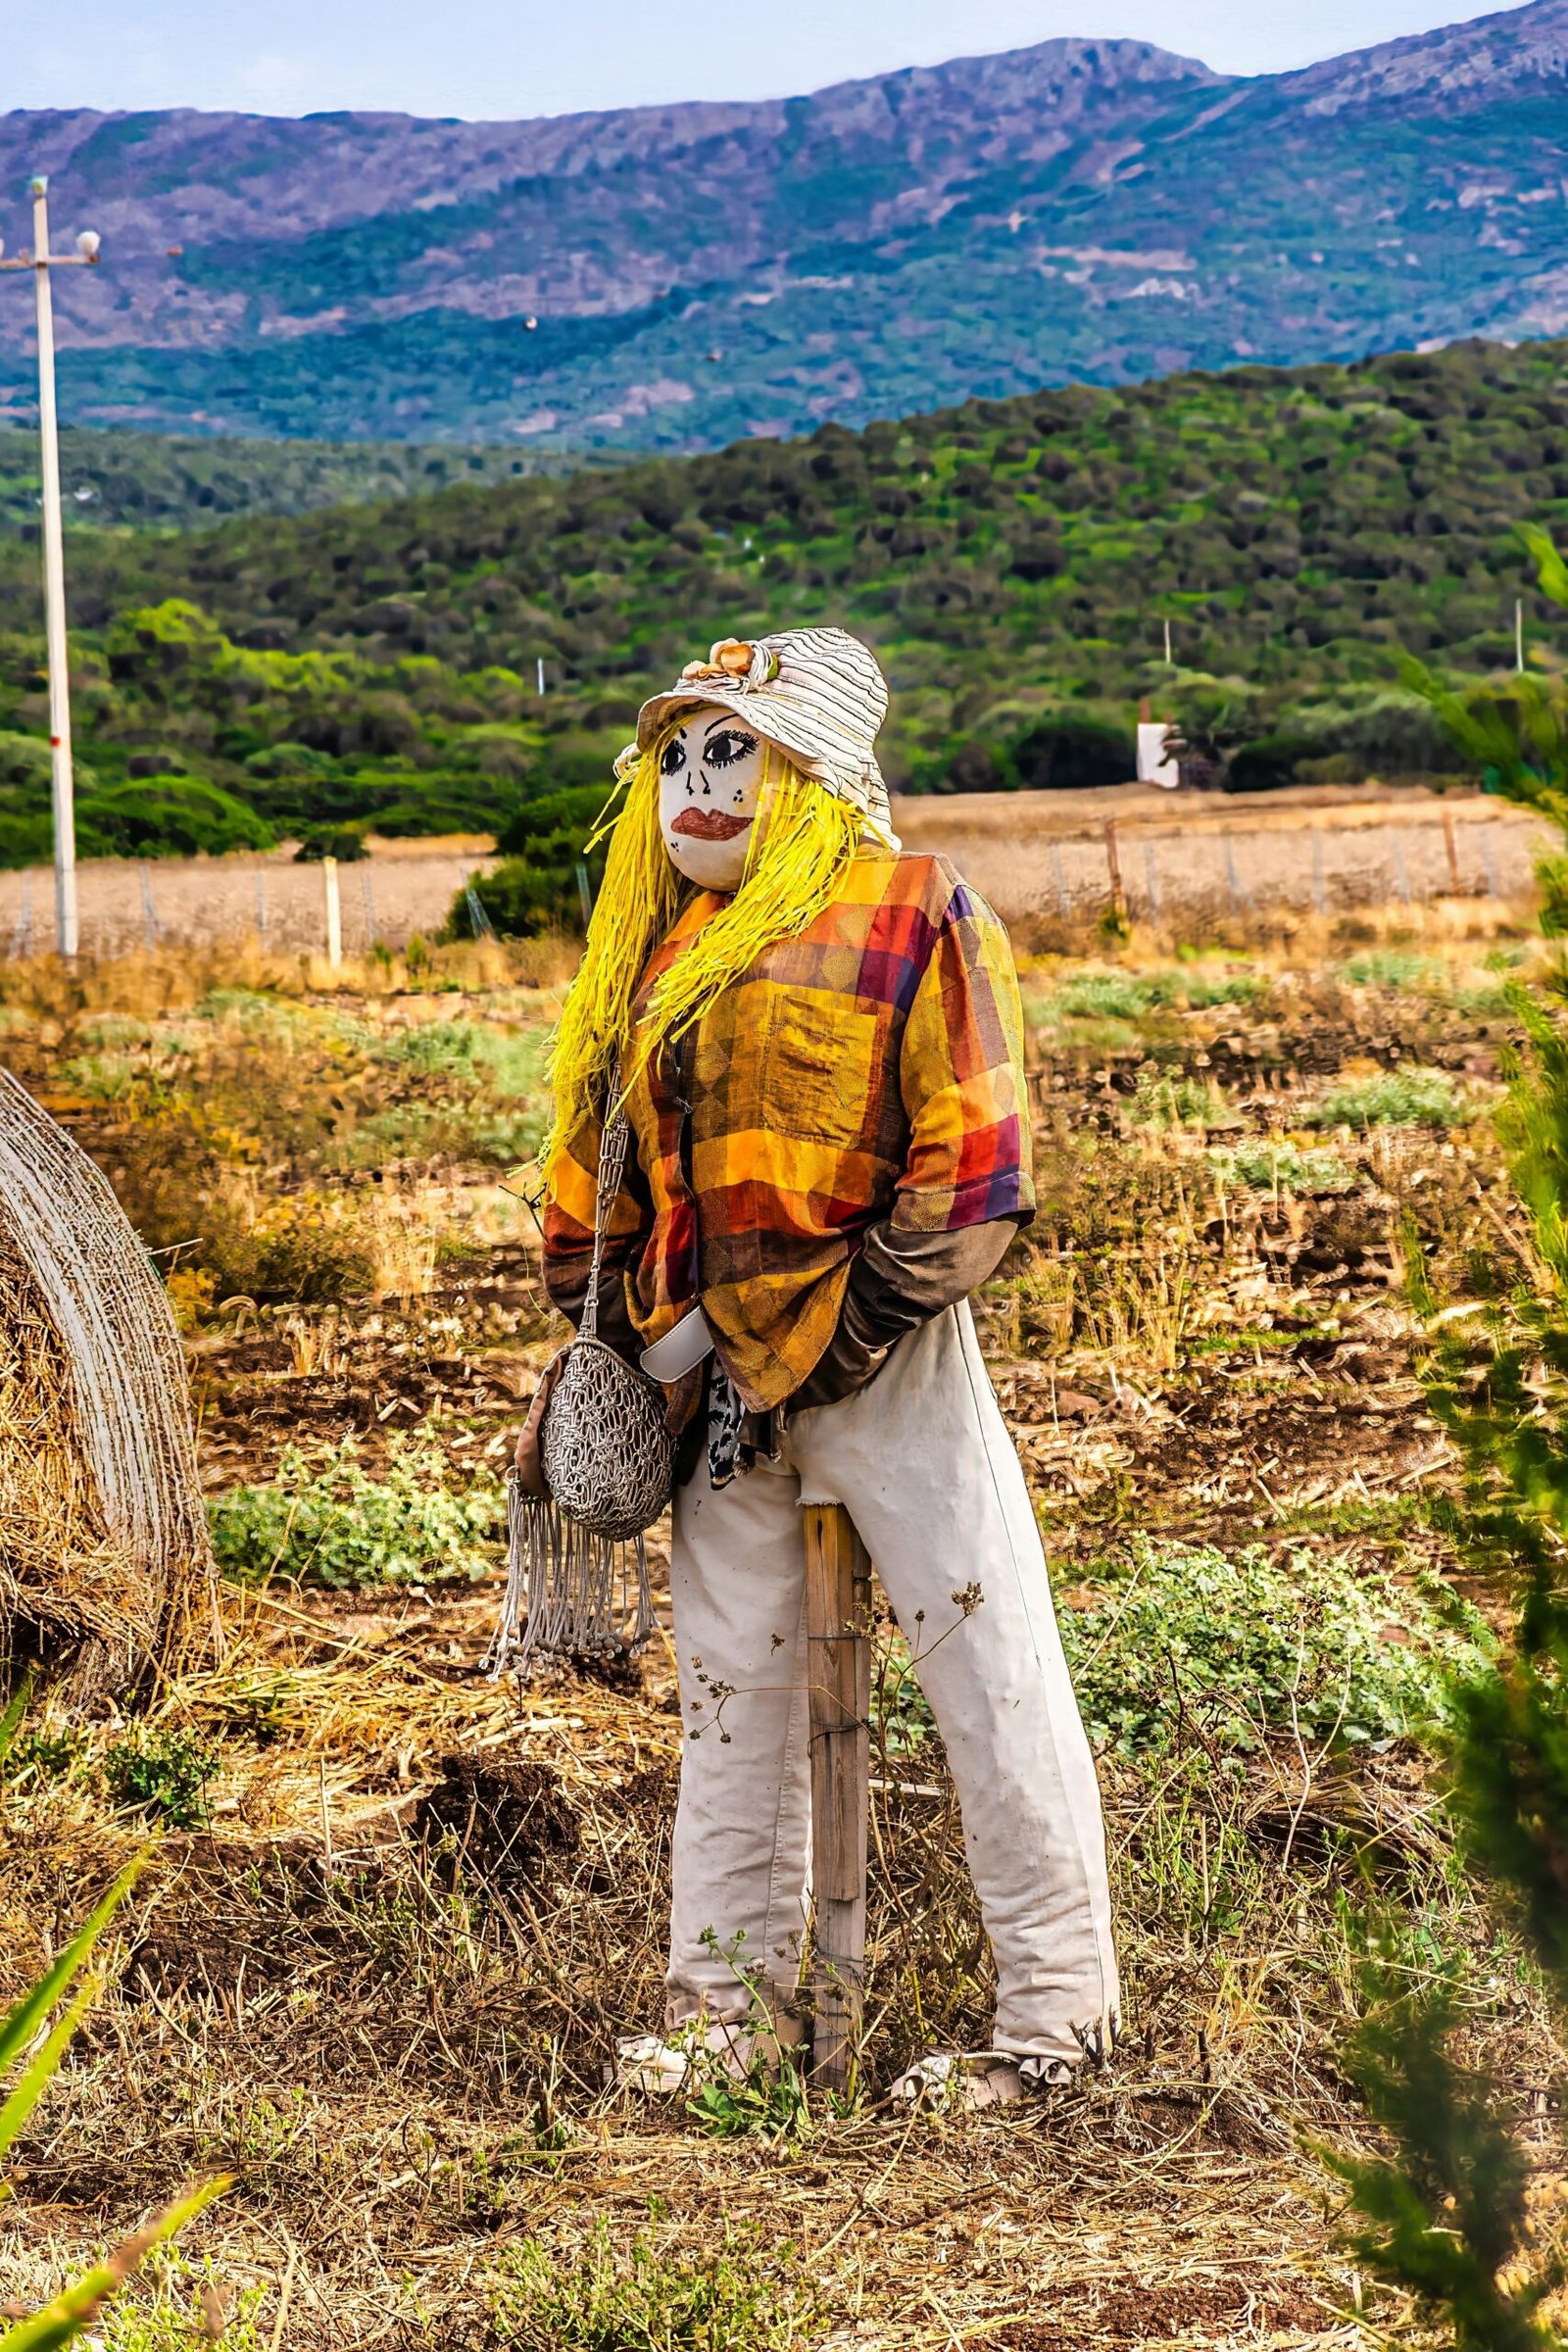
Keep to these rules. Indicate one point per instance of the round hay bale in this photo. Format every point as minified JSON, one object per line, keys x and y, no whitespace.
{"x":106,"y":1568}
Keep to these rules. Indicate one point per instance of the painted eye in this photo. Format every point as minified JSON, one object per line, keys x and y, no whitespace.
{"x":673,"y":759}
{"x":727,"y":747}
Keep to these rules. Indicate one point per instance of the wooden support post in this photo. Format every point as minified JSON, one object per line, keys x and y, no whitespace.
{"x":334,"y":912}
{"x":1451,"y":845}
{"x":1118,"y":896}
{"x":838,"y":1628}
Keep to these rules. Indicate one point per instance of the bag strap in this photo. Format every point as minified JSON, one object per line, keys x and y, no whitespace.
{"x":612,"y":1142}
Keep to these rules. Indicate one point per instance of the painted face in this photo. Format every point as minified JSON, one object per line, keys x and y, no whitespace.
{"x":711,"y":773}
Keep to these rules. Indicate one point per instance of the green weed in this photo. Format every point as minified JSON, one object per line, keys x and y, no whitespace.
{"x":1099,"y":996}
{"x":1396,"y":968}
{"x":1248,"y":1644}
{"x":42,"y":1755}
{"x":1409,"y":1097}
{"x":1163,"y":1101}
{"x":901,"y":1715}
{"x":1283,"y":1167}
{"x":325,"y":1520}
{"x":765,"y":2102}
{"x":1120,"y":995}
{"x":629,"y":2298}
{"x":161,"y":1773}
{"x":187,"y":2303}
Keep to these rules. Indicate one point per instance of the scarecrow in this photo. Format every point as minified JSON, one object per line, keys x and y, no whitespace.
{"x":807,"y":1048}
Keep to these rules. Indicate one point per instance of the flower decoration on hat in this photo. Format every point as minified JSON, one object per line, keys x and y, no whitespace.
{"x":736,"y":661}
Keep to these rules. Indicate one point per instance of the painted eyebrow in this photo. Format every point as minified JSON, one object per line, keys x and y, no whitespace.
{"x":726,"y":718}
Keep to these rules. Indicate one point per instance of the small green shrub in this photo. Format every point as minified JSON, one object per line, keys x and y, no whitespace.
{"x":632,"y":2299}
{"x":1198,"y":991}
{"x":162,"y":1772}
{"x":1128,"y":995}
{"x":345,"y":843}
{"x":1414,"y":1097}
{"x":1117,"y":996}
{"x":1187,"y":1634}
{"x":1163,"y":1101}
{"x":523,"y":897}
{"x":1283,"y":1167}
{"x":42,"y":1755}
{"x":325,"y":1521}
{"x":509,"y":1063}
{"x":165,"y":817}
{"x":179,"y":2311}
{"x":1395,"y":968}
{"x":298,"y":1252}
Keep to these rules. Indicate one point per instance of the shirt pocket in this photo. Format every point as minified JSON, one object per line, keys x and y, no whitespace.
{"x":821,"y":1079}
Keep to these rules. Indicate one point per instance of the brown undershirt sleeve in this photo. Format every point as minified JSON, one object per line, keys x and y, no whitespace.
{"x":566,"y":1281}
{"x":898,"y":1281}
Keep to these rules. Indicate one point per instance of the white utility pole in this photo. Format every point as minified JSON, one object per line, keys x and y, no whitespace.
{"x":40,"y":261}
{"x":1519,"y":632}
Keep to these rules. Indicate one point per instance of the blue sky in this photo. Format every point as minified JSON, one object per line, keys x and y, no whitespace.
{"x":493,"y":59}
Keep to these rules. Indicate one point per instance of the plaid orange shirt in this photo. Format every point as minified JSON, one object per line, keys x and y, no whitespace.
{"x":873,"y":1067}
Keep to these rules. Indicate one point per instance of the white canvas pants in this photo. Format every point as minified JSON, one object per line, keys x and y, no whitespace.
{"x":923,"y":1463}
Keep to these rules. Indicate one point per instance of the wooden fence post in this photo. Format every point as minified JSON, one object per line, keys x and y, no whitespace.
{"x":1401,"y":870}
{"x":838,"y":1630}
{"x":334,"y":912}
{"x":1451,"y":845}
{"x":1152,"y":878}
{"x":1118,"y":896}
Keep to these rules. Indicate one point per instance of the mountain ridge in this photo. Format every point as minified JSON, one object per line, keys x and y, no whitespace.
{"x":1078,"y":210}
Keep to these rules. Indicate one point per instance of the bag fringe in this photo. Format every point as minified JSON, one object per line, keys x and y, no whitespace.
{"x":569,"y":1592}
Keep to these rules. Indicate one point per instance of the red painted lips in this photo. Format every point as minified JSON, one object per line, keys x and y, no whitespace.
{"x":708,"y":824}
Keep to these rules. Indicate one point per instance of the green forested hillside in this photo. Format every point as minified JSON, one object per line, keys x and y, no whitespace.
{"x":1015,"y":563}
{"x":112,"y":477}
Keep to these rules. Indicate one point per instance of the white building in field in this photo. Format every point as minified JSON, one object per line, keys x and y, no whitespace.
{"x":1154,"y":763}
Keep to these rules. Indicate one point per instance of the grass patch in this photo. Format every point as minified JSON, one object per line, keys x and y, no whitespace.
{"x":1411,"y":1097}
{"x":1101,"y":996}
{"x":1397,"y":969}
{"x":1269,"y":1167}
{"x":1163,"y":1101}
{"x":161,"y":1773}
{"x":1242,"y":1646}
{"x":629,"y":2298}
{"x":327,"y":1521}
{"x":189,"y":2303}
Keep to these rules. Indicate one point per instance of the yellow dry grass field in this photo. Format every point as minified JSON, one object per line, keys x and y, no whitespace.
{"x":397,"y":1914}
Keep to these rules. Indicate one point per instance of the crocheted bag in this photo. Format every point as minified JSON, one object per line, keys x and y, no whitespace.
{"x":578,"y":1565}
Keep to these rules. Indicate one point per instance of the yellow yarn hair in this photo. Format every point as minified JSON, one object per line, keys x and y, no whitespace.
{"x":802,"y":845}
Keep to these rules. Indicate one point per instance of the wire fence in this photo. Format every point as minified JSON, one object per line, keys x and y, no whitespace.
{"x":1184,"y":876}
{"x":1164,"y":871}
{"x":128,"y":906}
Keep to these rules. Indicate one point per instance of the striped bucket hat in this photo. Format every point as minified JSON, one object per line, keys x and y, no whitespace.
{"x":819,"y":694}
